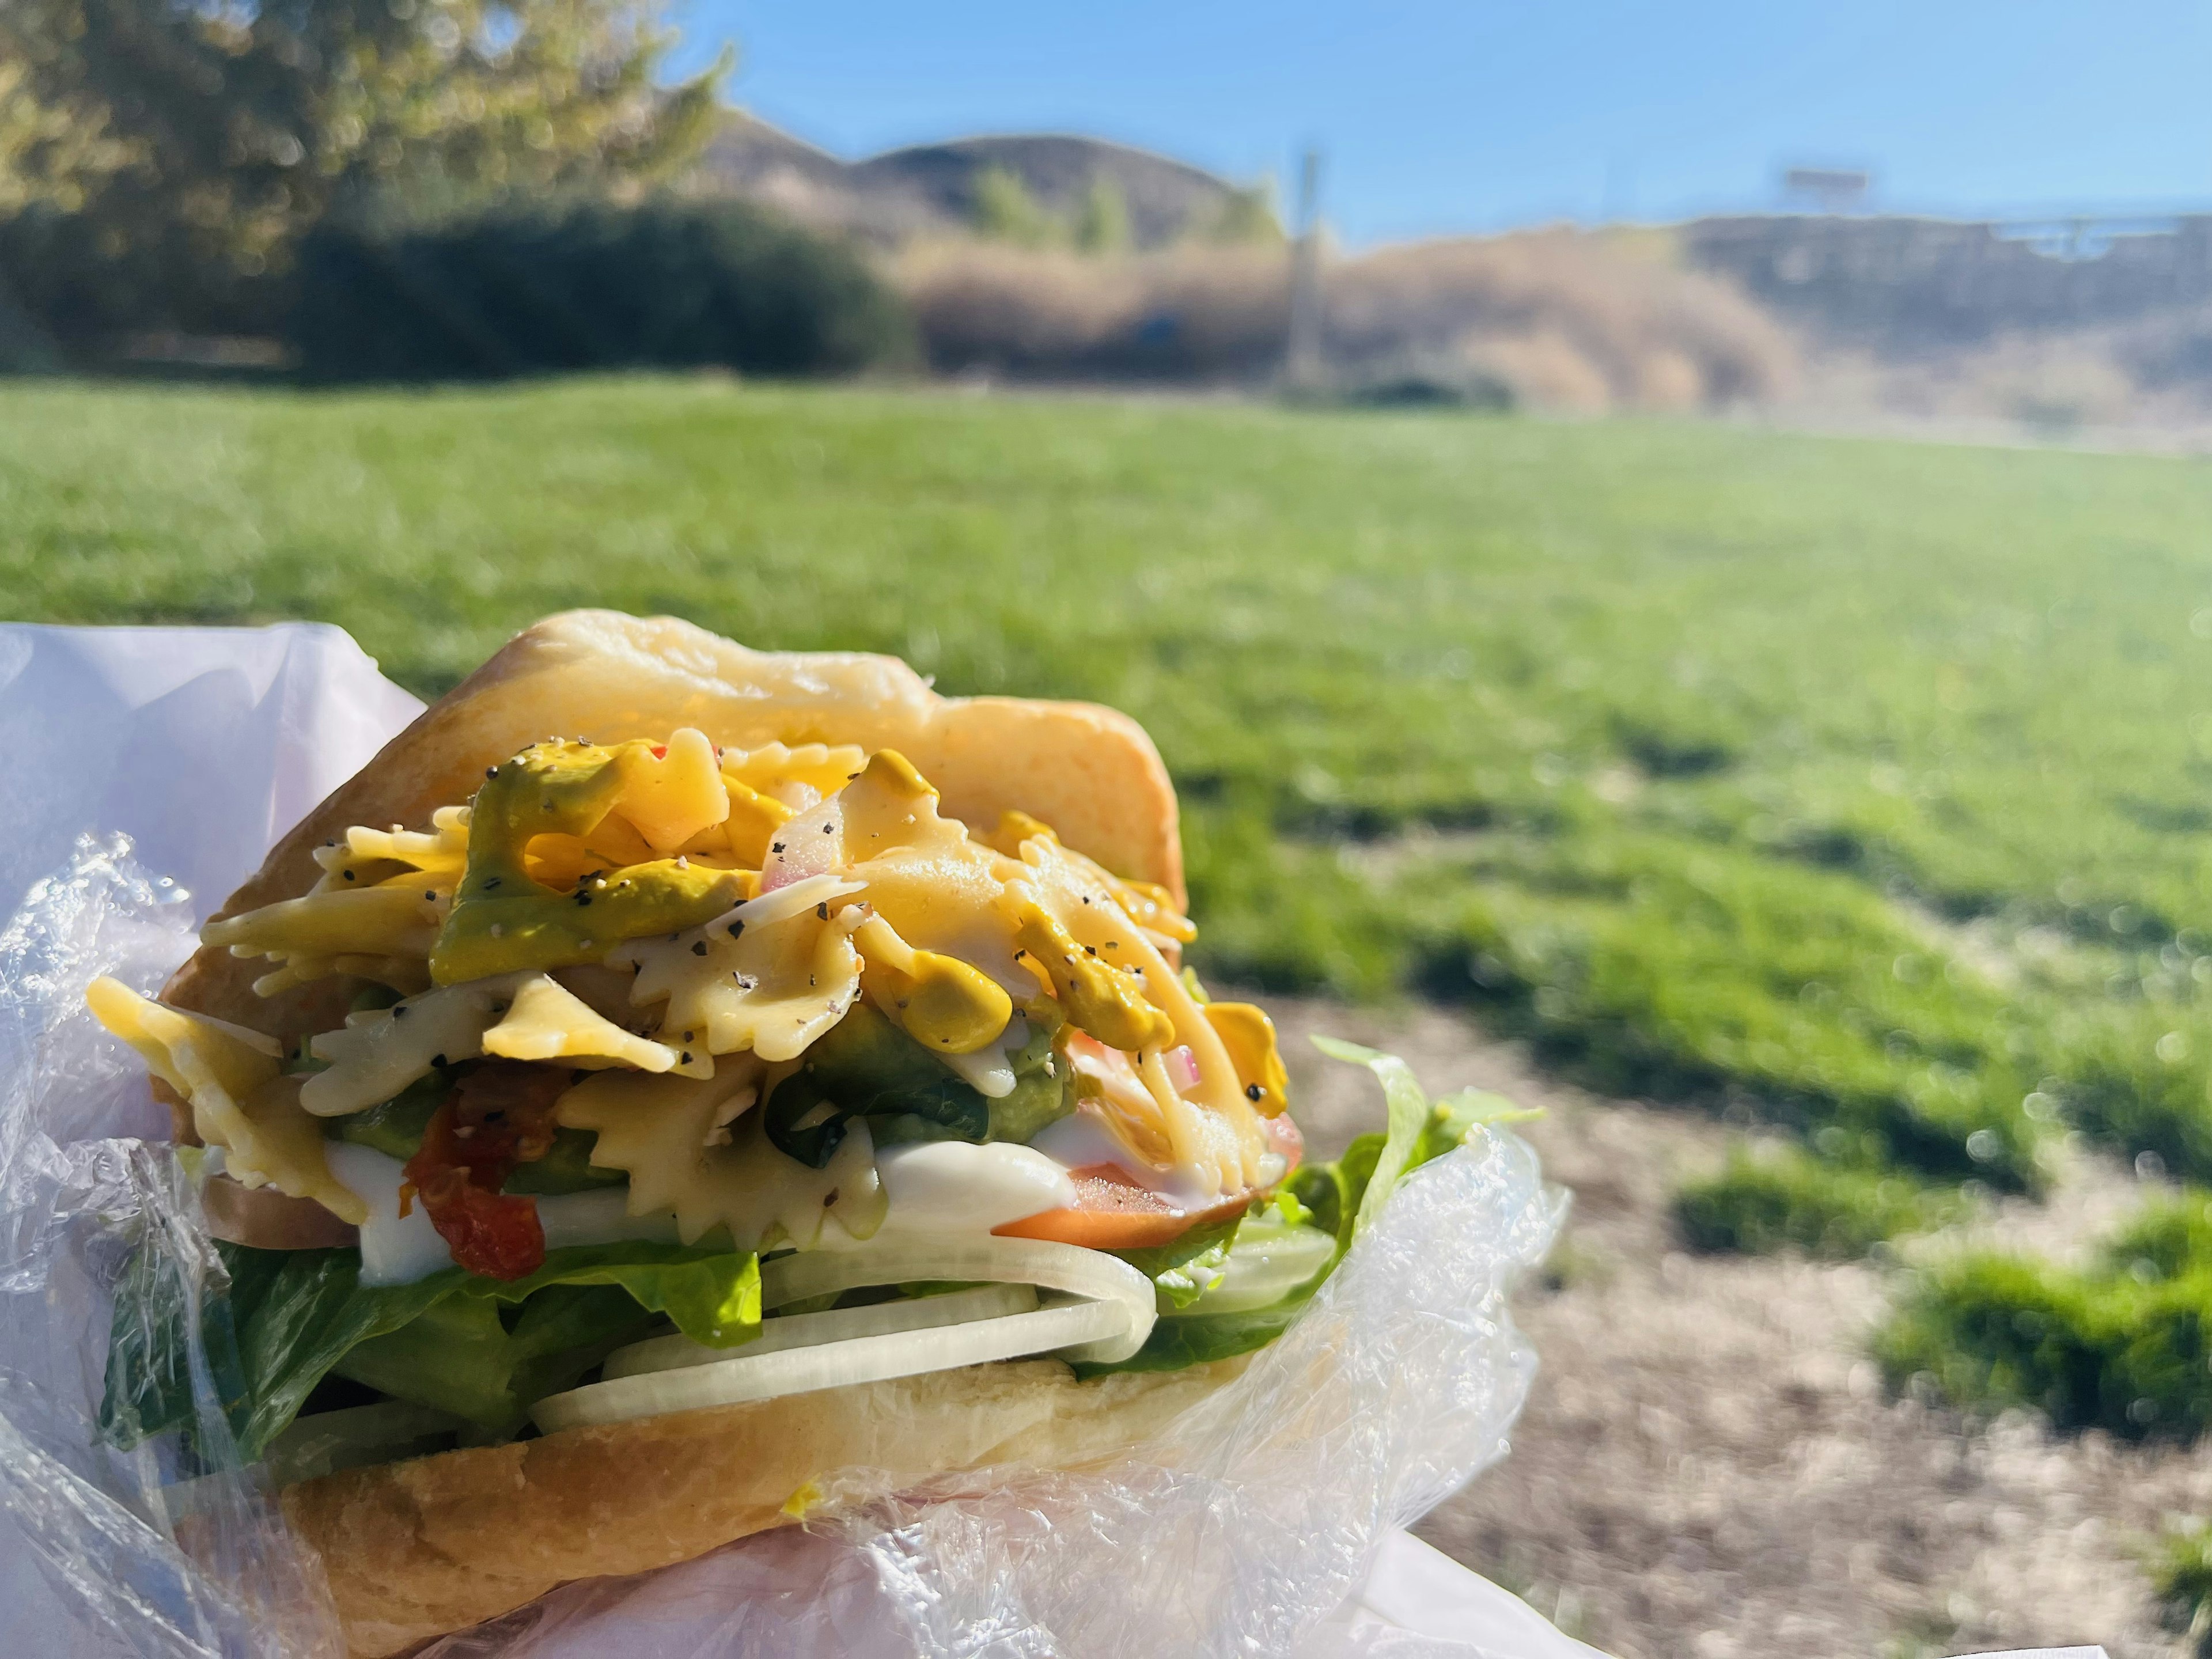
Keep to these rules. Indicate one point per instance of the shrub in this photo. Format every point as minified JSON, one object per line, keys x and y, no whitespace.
{"x":1551,"y":318}
{"x":1759,"y":1204}
{"x":1005,"y":211}
{"x":1188,"y":312}
{"x":2181,"y":1571}
{"x":663,"y":285}
{"x":2122,"y":1346}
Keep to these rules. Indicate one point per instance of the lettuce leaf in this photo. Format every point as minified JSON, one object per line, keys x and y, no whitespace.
{"x":484,"y":1349}
{"x":1342,"y":1197}
{"x":1185,"y":1268}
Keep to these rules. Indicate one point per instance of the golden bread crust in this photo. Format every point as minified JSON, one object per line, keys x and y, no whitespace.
{"x":1090,"y":772}
{"x":435,"y":1544}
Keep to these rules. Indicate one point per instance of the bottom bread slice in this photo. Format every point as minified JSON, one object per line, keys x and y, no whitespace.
{"x":436,"y":1544}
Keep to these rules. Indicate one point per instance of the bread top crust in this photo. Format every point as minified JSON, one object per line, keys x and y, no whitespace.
{"x":1090,"y":772}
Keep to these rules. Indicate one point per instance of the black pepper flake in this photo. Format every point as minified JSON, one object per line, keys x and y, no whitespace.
{"x":822,"y":911}
{"x":490,"y":882}
{"x":829,"y":829}
{"x":831,"y":1199}
{"x":432,"y":897}
{"x":491,"y":771}
{"x":1089,"y":949}
{"x":686,"y":1061}
{"x":349,"y":876}
{"x":736,"y":928}
{"x":1086,"y":898}
{"x":438,"y":1060}
{"x":810,"y":980}
{"x":699,"y":949}
{"x":776,"y":847}
{"x":687,"y":1036}
{"x":399,"y":1011}
{"x":583,"y":897}
{"x":1254,"y":1091}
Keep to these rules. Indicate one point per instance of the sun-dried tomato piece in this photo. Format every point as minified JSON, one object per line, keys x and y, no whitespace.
{"x":503,"y":1111}
{"x":497,"y":1235}
{"x":501,"y":1115}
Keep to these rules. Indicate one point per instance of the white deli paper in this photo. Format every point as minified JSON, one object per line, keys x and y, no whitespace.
{"x":149,"y":767}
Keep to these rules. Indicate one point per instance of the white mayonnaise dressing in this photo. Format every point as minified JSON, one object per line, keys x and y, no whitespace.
{"x":397,"y":1249}
{"x":990,"y":1070}
{"x":951,"y":1186}
{"x":1080,"y":1141}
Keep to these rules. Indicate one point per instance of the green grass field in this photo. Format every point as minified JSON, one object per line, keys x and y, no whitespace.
{"x":1860,"y":787}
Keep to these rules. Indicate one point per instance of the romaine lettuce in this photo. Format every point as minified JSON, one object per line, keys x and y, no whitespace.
{"x":482,"y":1348}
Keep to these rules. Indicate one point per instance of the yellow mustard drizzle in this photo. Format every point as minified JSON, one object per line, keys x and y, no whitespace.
{"x":1100,"y":999}
{"x":1015,"y":827}
{"x":939,"y":1000}
{"x":1248,"y":1034}
{"x":503,"y":920}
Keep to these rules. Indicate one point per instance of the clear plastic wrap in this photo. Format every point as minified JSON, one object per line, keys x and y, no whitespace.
{"x":1240,"y":1531}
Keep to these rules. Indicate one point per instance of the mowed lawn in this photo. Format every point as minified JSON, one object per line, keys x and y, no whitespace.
{"x":1860,"y":787}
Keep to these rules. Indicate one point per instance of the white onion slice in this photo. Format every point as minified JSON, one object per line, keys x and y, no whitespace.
{"x":1265,"y":1265}
{"x":895,"y":1258}
{"x":669,"y":1354}
{"x":832,"y":1366}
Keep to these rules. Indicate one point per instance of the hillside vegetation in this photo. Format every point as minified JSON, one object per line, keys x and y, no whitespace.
{"x":1551,"y":319}
{"x":1856,"y":787}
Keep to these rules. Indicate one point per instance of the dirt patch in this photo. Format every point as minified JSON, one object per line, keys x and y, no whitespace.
{"x":1708,"y":1466}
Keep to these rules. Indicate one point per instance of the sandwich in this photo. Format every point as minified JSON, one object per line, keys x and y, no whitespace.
{"x":673,"y":1087}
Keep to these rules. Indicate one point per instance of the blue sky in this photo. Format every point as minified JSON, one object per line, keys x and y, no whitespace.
{"x":1438,"y":117}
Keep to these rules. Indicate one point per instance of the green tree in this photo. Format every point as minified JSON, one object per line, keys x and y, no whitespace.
{"x":1102,"y":224}
{"x":1247,"y":216}
{"x":211,"y":133}
{"x":1006,"y":212}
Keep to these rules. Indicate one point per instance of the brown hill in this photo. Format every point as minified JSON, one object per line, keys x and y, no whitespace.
{"x":930,"y":189}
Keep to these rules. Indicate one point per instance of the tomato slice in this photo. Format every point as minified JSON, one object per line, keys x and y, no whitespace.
{"x":1113,"y":1212}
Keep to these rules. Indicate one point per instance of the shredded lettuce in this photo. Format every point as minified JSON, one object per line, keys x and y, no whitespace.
{"x":1342,"y":1197}
{"x":484,"y":1349}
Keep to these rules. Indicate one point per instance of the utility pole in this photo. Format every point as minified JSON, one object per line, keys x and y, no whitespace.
{"x":1303,"y":367}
